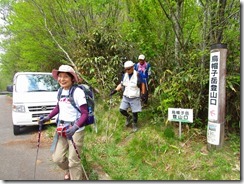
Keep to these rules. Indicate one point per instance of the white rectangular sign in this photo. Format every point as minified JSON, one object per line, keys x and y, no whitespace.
{"x":213,"y":86}
{"x":181,"y":115}
{"x":213,"y":133}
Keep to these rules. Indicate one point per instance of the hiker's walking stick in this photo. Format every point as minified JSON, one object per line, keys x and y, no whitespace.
{"x":79,"y":157}
{"x":38,"y":145}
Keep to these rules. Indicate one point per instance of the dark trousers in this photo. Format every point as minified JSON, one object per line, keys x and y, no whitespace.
{"x":126,"y":114}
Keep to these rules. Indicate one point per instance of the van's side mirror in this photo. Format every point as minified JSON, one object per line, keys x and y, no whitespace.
{"x":10,"y":88}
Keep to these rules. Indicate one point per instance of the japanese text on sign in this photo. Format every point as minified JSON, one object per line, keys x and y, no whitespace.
{"x":213,"y":86}
{"x":181,"y":115}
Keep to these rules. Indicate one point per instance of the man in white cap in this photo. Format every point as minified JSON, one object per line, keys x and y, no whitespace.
{"x":144,"y":69}
{"x":133,"y":87}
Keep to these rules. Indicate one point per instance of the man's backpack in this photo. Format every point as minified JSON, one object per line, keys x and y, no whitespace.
{"x":89,"y":99}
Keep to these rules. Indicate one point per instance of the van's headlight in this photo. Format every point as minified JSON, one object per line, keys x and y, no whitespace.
{"x":18,"y":108}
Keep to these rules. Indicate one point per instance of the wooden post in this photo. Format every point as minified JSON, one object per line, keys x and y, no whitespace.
{"x":180,"y":129}
{"x":217,"y":97}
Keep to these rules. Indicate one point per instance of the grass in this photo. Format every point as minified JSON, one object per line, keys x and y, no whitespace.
{"x":155,"y":152}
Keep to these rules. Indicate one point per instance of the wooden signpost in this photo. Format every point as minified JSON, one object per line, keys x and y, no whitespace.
{"x":217,"y":96}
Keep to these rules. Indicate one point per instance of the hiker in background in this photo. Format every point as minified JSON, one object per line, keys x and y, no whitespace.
{"x":132,"y":86}
{"x":64,"y":153}
{"x":144,"y":69}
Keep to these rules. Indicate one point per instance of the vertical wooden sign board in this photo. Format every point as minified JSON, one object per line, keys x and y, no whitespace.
{"x":217,"y":96}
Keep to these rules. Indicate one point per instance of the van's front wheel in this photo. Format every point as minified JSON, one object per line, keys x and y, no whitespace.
{"x":16,"y":130}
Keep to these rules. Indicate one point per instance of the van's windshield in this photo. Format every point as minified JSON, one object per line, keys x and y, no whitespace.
{"x":36,"y":83}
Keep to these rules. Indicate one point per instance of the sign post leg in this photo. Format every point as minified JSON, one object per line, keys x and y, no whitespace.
{"x":180,"y":129}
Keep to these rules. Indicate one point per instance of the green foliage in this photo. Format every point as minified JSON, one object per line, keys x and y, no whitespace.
{"x":50,"y":131}
{"x":100,"y":60}
{"x":155,"y":152}
{"x":233,"y":106}
{"x":168,"y":132}
{"x":147,"y":31}
{"x":99,"y":36}
{"x":234,"y":144}
{"x":27,"y":47}
{"x":180,"y":90}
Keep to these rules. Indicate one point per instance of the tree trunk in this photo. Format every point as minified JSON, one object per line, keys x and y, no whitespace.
{"x":217,"y":9}
{"x":178,"y":31}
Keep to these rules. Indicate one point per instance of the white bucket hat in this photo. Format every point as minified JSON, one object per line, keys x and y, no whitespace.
{"x":128,"y":64}
{"x":142,"y":57}
{"x":64,"y":68}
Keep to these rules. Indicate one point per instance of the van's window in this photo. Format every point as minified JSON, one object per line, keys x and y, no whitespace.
{"x":35,"y":83}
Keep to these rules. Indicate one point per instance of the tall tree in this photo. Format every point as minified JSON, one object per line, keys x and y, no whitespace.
{"x":217,"y":17}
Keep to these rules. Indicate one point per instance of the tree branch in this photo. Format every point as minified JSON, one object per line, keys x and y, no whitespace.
{"x":59,"y":46}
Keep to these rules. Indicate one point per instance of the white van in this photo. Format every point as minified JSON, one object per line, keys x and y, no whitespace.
{"x":34,"y":95}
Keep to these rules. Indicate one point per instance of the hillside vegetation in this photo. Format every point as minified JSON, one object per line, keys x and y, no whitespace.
{"x":96,"y":37}
{"x":155,"y":151}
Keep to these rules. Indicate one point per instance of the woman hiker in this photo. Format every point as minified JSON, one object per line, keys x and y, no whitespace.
{"x":64,"y":153}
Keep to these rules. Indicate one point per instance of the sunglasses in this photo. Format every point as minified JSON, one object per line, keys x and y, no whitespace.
{"x":127,"y":69}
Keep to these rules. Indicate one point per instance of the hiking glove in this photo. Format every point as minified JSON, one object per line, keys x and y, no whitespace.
{"x":113,"y":92}
{"x":71,"y":130}
{"x":43,"y":119}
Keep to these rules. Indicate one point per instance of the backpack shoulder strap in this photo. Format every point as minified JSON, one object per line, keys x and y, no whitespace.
{"x":59,"y":93}
{"x":147,"y":65}
{"x":71,"y":97}
{"x":136,"y":66}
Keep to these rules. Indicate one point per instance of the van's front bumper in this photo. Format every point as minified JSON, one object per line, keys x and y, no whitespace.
{"x":31,"y":115}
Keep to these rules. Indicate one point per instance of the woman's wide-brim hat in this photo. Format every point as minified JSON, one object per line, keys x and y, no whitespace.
{"x":64,"y":68}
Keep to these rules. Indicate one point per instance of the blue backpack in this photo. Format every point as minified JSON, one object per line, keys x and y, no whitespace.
{"x":89,"y":99}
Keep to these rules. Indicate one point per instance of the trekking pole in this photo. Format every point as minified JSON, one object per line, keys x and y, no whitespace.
{"x":110,"y":102}
{"x":147,"y":90}
{"x":79,"y":158}
{"x":38,"y":145}
{"x":146,"y":84}
{"x":110,"y":105}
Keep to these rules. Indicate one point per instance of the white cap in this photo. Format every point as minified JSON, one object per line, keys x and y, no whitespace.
{"x":128,"y":64}
{"x":142,"y":57}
